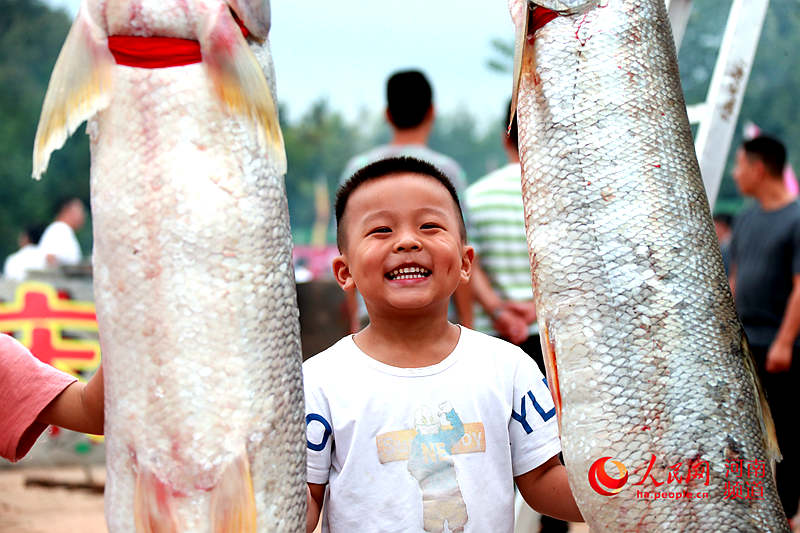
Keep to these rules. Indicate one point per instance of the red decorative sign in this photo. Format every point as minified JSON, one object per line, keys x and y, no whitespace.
{"x":39,"y":318}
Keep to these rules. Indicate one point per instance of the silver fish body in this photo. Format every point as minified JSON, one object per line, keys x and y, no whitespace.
{"x":657,"y":394}
{"x":194,"y":288}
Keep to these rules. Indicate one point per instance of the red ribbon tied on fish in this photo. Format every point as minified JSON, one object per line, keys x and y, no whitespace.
{"x":158,"y":52}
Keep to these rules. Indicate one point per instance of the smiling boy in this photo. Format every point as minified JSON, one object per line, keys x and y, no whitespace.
{"x":414,"y":423}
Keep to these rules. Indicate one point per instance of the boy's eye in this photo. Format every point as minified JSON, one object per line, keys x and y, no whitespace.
{"x":431,"y":225}
{"x":382,"y":229}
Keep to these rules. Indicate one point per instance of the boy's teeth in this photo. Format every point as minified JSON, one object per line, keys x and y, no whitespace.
{"x":408,"y":273}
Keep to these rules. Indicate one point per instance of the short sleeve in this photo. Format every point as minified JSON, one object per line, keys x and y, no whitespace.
{"x":26,"y":387}
{"x":533,"y":427}
{"x":319,"y":430}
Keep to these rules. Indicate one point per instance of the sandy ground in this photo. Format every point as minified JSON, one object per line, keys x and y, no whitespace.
{"x":59,"y":510}
{"x":49,"y":510}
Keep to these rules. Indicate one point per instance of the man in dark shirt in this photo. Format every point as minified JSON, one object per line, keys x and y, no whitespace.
{"x":765,"y":279}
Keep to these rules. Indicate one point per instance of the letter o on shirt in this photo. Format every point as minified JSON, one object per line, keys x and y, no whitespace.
{"x":314,"y":417}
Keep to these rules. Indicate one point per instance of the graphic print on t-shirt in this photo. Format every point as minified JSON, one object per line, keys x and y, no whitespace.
{"x":438,"y":434}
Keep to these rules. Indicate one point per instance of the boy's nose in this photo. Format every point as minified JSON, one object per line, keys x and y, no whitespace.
{"x":407,"y":243}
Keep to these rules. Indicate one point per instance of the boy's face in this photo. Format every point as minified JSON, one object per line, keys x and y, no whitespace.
{"x":403,"y":247}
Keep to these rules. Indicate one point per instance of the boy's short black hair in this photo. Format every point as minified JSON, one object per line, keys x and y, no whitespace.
{"x":408,"y":97}
{"x":769,"y":151}
{"x":386,"y":167}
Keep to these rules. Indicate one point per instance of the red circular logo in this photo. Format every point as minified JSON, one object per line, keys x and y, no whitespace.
{"x":604,"y":484}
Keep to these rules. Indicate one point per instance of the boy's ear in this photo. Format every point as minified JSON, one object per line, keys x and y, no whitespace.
{"x":467,"y":258}
{"x":342,"y":273}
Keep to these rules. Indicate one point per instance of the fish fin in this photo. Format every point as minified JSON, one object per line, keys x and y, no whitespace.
{"x":80,"y":86}
{"x":254,"y":14}
{"x":550,"y":366}
{"x":233,"y":502}
{"x":240,"y":83}
{"x":520,"y":13}
{"x":764,"y":413}
{"x":153,"y":505}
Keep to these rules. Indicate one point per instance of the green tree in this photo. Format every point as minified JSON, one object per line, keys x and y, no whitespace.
{"x":31,"y":35}
{"x":317,"y":148}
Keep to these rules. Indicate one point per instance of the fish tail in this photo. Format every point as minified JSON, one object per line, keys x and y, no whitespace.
{"x":80,"y":86}
{"x":764,"y":413}
{"x":154,"y":506}
{"x":551,"y":368}
{"x":239,"y":81}
{"x":233,"y":503}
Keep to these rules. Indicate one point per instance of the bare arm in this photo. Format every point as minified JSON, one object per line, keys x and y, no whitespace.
{"x":79,"y":407}
{"x":505,"y":316}
{"x":779,"y":357}
{"x":315,"y":495}
{"x":546,"y":490}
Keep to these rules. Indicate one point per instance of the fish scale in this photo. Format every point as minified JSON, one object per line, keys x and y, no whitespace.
{"x":193,"y":279}
{"x":646,"y":357}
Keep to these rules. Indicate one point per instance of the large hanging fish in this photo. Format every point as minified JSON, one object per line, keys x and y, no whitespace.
{"x":663,"y":424}
{"x":192,"y":262}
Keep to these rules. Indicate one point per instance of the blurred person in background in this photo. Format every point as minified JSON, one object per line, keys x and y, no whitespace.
{"x":411,"y":115}
{"x":723,"y":226}
{"x":58,"y":243}
{"x":765,"y":280}
{"x":28,"y":258}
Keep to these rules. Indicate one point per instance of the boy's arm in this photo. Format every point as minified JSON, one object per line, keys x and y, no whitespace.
{"x":546,"y":490}
{"x":79,"y":407}
{"x":315,"y":495}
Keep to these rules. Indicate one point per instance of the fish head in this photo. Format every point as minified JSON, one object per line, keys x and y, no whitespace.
{"x":528,"y":17}
{"x":566,"y":7}
{"x":254,"y":14}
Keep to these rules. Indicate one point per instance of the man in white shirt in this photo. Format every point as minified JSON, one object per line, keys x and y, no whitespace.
{"x":28,"y":257}
{"x":59,"y":244}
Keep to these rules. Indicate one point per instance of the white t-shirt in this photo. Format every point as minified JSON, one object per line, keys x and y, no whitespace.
{"x":406,"y":449}
{"x":27,"y":258}
{"x":59,"y":240}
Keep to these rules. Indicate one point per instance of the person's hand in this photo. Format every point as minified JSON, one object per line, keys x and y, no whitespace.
{"x":310,"y":503}
{"x":779,"y":357}
{"x":510,"y":325}
{"x":525,"y":310}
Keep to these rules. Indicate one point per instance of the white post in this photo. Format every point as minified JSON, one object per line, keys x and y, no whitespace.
{"x":728,"y":83}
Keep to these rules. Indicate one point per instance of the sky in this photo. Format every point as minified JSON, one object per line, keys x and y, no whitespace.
{"x":344,"y":51}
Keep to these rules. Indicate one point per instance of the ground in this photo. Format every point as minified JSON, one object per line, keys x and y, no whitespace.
{"x":49,"y":510}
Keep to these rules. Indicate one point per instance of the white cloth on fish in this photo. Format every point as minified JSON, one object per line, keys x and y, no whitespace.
{"x":408,"y":448}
